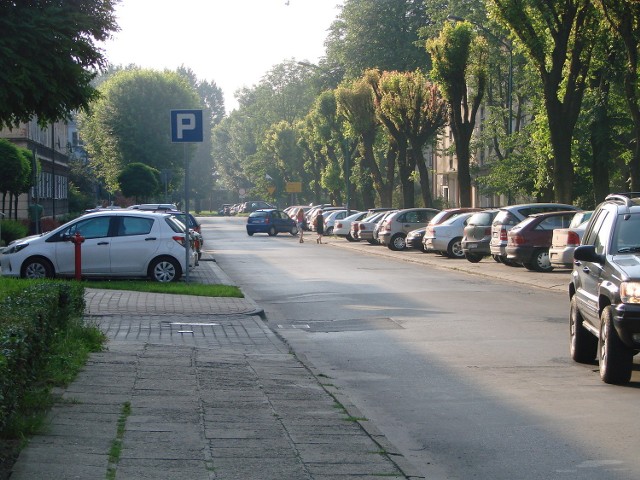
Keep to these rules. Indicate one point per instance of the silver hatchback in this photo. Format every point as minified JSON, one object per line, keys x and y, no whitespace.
{"x":394,"y":229}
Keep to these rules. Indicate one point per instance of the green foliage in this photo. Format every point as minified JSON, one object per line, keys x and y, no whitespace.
{"x":129,"y":123}
{"x":180,"y":288}
{"x":12,"y":230}
{"x":17,"y":161}
{"x":139,"y":181}
{"x":49,"y":56}
{"x":33,"y":317}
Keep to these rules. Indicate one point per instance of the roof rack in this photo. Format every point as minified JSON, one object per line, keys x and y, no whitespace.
{"x":624,"y":198}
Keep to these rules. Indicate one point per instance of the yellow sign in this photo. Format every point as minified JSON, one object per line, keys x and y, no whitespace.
{"x":271,"y":190}
{"x":293,"y":187}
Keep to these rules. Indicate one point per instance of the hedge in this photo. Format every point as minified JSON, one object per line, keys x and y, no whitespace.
{"x":31,"y":315}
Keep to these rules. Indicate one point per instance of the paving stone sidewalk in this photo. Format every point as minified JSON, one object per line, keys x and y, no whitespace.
{"x":200,"y":388}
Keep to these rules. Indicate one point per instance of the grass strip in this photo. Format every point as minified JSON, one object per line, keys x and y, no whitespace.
{"x":177,"y":288}
{"x":116,"y":444}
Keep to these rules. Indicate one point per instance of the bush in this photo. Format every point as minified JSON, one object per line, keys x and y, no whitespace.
{"x":32,"y":314}
{"x":12,"y":230}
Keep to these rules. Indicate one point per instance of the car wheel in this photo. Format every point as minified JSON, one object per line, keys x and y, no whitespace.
{"x":614,"y":357}
{"x":272,"y":232}
{"x":164,"y":270}
{"x":350,"y":238}
{"x":329,"y":231}
{"x":584,"y":346}
{"x":497,"y":258}
{"x":473,"y":257}
{"x":250,"y":234}
{"x":373,"y":242}
{"x":294,"y":231}
{"x":37,"y":267}
{"x":540,"y":261}
{"x":454,"y":249}
{"x":397,"y":242}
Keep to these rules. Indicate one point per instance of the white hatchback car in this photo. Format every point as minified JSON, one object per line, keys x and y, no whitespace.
{"x":117,"y":243}
{"x":446,"y":237}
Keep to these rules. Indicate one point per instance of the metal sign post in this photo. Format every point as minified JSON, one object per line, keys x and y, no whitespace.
{"x":186,"y":127}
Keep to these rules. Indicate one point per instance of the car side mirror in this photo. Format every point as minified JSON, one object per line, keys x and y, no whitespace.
{"x":587,"y":253}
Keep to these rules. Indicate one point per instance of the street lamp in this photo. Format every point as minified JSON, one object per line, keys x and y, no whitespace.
{"x":509,"y":47}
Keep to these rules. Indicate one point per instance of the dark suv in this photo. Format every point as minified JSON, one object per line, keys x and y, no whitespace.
{"x":605,"y":289}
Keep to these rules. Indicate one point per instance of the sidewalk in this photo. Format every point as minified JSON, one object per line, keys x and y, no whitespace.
{"x":201,"y":388}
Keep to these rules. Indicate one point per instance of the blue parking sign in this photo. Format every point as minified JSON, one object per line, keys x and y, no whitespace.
{"x":186,"y":126}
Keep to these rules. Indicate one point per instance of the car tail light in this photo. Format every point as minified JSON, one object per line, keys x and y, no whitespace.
{"x":517,"y":240}
{"x":503,"y":234}
{"x":362,"y":227}
{"x":572,"y":238}
{"x":179,"y":239}
{"x":387,"y":226}
{"x":338,"y":225}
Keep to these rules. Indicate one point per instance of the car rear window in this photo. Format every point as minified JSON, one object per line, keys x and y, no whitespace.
{"x":258,"y":214}
{"x":174,"y":224}
{"x":480,"y":218}
{"x":505,"y":217}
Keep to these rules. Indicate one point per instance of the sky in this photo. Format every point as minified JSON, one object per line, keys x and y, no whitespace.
{"x":230,"y":42}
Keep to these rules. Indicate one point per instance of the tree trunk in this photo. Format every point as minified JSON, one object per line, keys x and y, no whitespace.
{"x":406,"y":177}
{"x":425,"y":185}
{"x":464,"y":177}
{"x":562,"y":174}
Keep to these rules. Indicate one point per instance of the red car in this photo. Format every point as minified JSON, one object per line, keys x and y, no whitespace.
{"x":528,"y":242}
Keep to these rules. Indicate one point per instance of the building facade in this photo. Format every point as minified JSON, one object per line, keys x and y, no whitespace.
{"x":49,"y":147}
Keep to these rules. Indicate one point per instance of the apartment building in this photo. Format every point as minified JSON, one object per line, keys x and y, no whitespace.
{"x":50,"y":149}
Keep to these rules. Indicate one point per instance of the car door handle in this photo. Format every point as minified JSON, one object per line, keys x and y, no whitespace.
{"x":150,"y":238}
{"x":103,"y":243}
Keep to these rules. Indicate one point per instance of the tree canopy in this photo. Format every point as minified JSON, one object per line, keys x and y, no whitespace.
{"x":49,"y":56}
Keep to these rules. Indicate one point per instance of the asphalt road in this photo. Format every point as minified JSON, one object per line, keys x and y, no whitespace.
{"x":466,"y":372}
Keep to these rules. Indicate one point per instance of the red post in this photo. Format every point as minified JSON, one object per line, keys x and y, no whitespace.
{"x":77,"y":241}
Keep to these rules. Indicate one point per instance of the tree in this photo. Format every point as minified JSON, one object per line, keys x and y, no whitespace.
{"x":130,"y":123}
{"x":381,"y":34}
{"x":355,"y":104}
{"x":459,"y":59}
{"x":49,"y":56}
{"x":139,"y":181}
{"x":558,"y":38}
{"x":17,"y":161}
{"x":624,"y":18}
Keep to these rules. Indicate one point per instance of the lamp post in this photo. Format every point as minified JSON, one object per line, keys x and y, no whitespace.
{"x":509,"y":47}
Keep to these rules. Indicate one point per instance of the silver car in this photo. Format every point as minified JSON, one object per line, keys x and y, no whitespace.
{"x":394,"y":229}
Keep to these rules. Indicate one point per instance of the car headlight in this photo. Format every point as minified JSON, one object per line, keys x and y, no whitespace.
{"x":630,"y":292}
{"x":16,"y":248}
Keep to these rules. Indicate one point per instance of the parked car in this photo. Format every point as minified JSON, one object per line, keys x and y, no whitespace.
{"x":529,"y":241}
{"x":565,"y":240}
{"x":333,"y":217}
{"x":510,"y":216}
{"x":377,"y":228}
{"x":395,"y":227}
{"x":313,"y":213}
{"x":253,"y":205}
{"x":477,"y":235}
{"x":446,"y":237}
{"x":195,"y":229}
{"x":363,"y":229}
{"x":604,"y":291}
{"x":414,"y":239}
{"x":271,"y":221}
{"x":225,"y":210}
{"x":118,"y":243}
{"x":342,"y":228}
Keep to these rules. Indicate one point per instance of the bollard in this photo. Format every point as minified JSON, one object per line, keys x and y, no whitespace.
{"x":77,"y":240}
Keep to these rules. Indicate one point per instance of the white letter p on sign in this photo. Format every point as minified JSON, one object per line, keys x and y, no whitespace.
{"x":186,"y":122}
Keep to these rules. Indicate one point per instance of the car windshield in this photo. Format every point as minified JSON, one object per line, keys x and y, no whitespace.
{"x":627,"y":239}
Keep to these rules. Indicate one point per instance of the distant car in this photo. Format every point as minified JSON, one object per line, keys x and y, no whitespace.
{"x":253,"y":205}
{"x":271,"y":221}
{"x":565,"y":240}
{"x":529,"y":241}
{"x":446,"y":237}
{"x":477,"y":235}
{"x":342,"y":228}
{"x":118,"y":243}
{"x":332,"y":217}
{"x":396,"y":226}
{"x":363,"y":229}
{"x":510,"y":216}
